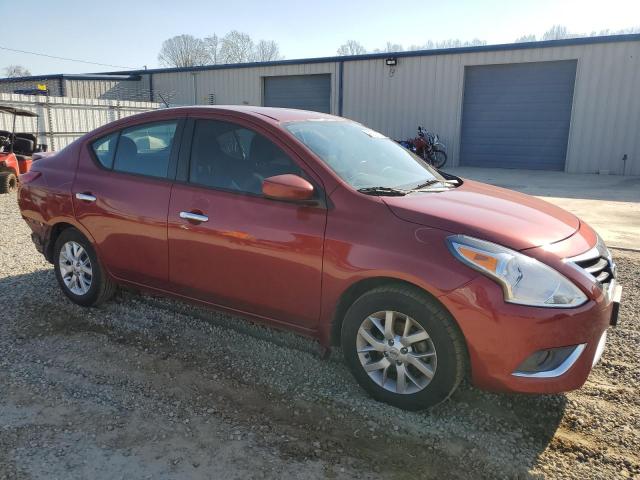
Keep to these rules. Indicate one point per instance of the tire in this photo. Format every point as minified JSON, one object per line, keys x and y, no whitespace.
{"x":8,"y":182}
{"x":89,"y":289}
{"x":439,"y":159}
{"x":443,"y":354}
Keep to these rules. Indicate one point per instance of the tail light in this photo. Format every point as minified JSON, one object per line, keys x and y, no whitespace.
{"x":29,"y":177}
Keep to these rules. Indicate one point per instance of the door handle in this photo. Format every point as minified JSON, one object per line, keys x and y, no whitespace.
{"x":196,"y":217}
{"x":87,"y":197}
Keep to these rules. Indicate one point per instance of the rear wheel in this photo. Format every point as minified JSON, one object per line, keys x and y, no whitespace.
{"x":8,"y":182}
{"x":78,"y":270}
{"x":439,"y":159}
{"x":403,"y":347}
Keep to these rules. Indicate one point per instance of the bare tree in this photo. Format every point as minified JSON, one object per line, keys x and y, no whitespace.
{"x":351,"y":48}
{"x":450,"y":43}
{"x":525,"y":38}
{"x":14,"y":71}
{"x":557,"y":32}
{"x":236,"y":47}
{"x":183,"y":51}
{"x":212,"y":45}
{"x":390,"y":47}
{"x":266,"y":51}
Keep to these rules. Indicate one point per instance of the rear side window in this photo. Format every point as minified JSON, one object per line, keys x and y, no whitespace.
{"x":145,"y":149}
{"x":105,"y":149}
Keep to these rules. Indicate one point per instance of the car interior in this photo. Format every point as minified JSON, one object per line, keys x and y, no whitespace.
{"x":225,"y":156}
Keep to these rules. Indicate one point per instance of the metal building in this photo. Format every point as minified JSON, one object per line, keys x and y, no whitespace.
{"x":571,"y":105}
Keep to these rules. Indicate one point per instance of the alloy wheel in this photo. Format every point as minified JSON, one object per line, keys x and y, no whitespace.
{"x":75,"y":268}
{"x":396,"y":352}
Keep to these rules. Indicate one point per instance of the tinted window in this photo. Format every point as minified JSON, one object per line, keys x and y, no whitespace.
{"x":105,"y":148}
{"x":145,"y":149}
{"x":225,"y":155}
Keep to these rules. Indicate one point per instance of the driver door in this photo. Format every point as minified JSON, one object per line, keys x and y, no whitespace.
{"x":247,"y":252}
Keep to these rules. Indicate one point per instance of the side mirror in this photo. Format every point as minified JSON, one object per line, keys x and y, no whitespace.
{"x":287,"y":187}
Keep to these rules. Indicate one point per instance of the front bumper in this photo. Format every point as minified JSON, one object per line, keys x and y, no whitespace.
{"x":500,"y":336}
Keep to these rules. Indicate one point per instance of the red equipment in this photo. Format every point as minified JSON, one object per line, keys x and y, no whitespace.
{"x":16,"y":150}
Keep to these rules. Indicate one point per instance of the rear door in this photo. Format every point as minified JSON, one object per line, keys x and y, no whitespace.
{"x":249,"y":253}
{"x":121,"y":196}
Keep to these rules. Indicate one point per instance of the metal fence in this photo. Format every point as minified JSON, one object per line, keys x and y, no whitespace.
{"x":62,"y":119}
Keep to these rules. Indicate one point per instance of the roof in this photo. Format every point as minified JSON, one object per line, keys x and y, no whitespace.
{"x":17,"y":111}
{"x":66,"y":76}
{"x":274,"y":113}
{"x":135,"y":74}
{"x":414,"y":53}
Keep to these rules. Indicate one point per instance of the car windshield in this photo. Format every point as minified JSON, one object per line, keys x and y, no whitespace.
{"x":362,"y":157}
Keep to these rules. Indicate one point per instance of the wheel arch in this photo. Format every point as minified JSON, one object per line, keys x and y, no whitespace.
{"x":359,"y":288}
{"x":56,"y":229}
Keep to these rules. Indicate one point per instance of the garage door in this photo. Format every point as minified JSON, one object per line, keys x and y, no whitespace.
{"x":517,"y":115}
{"x":306,"y":92}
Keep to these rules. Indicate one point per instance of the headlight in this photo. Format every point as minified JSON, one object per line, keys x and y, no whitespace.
{"x":524,"y":280}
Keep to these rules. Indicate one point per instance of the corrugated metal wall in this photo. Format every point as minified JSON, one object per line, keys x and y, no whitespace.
{"x":429,"y":91}
{"x":63,"y":119}
{"x":233,"y":86}
{"x":132,"y":90}
{"x":53,"y":85}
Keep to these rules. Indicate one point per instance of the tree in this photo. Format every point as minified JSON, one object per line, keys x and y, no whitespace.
{"x":266,"y":51}
{"x":14,"y":71}
{"x":212,"y":44}
{"x":390,"y":47}
{"x":236,"y":47}
{"x":351,"y":48}
{"x":557,"y":32}
{"x":525,"y":38}
{"x":183,"y":51}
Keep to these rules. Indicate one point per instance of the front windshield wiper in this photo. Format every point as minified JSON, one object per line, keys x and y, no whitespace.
{"x":386,"y":191}
{"x":433,"y":181}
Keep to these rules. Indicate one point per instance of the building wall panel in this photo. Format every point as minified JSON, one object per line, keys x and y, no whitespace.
{"x":429,"y":91}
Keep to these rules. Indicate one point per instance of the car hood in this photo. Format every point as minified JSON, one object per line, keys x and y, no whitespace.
{"x":512,"y":219}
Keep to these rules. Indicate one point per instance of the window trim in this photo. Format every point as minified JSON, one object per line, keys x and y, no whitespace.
{"x":184,"y":167}
{"x":173,"y":155}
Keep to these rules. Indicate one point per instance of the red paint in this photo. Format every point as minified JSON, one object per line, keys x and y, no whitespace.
{"x":287,"y":187}
{"x":288,"y":264}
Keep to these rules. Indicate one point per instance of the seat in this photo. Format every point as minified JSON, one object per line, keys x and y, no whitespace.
{"x":23,"y":146}
{"x":207,"y":168}
{"x":269,"y":159}
{"x":126,"y":155}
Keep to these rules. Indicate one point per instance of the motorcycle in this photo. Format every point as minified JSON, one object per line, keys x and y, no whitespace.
{"x":427,"y":146}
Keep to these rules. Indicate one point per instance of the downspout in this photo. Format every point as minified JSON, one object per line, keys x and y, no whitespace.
{"x":151,"y":87}
{"x":195,"y":89}
{"x":340,"y":85}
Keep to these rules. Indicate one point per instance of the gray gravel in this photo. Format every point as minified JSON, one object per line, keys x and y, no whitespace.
{"x":146,"y":387}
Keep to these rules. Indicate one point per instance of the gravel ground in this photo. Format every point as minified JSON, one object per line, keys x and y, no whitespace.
{"x":146,"y":387}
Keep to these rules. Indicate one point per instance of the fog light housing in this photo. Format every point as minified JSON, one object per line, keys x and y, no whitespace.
{"x":550,"y":362}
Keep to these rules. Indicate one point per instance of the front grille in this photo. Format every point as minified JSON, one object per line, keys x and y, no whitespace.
{"x":598,"y":263}
{"x":599,"y":268}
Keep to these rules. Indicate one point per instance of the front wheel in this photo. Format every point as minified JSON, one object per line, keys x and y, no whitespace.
{"x":78,"y":270}
{"x":439,"y":159}
{"x":8,"y":182}
{"x":403,"y":347}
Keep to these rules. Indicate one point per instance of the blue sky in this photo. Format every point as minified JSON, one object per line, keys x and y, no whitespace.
{"x":131,"y":33}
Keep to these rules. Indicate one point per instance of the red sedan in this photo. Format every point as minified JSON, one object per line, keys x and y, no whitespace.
{"x":318,"y":224}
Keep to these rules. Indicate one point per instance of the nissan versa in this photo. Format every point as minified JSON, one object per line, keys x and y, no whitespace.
{"x":318,"y":224}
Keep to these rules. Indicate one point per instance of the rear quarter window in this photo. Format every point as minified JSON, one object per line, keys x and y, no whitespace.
{"x":105,"y":149}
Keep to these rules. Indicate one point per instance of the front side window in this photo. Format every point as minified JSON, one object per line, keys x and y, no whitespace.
{"x":105,"y":149}
{"x":228,"y":156}
{"x":362,"y":157}
{"x":145,"y":149}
